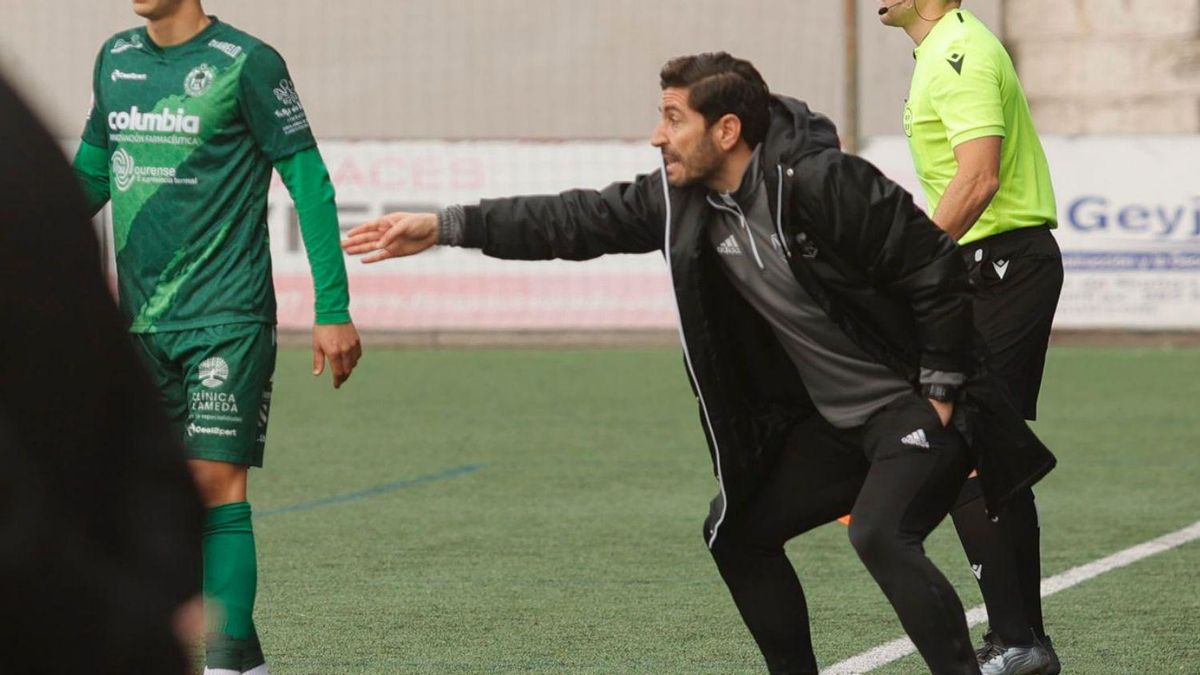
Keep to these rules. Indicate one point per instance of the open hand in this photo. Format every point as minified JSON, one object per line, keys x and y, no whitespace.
{"x":392,"y":236}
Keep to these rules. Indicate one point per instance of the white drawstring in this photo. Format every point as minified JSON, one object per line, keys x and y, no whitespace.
{"x":787,"y":249}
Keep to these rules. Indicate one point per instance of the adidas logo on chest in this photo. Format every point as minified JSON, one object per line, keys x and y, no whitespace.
{"x":729,"y":247}
{"x":916,"y":439}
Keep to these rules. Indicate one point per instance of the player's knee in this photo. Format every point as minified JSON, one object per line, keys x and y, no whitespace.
{"x":707,"y":532}
{"x":714,"y":519}
{"x":219,"y":482}
{"x":723,"y":541}
{"x":873,"y":543}
{"x":738,"y":540}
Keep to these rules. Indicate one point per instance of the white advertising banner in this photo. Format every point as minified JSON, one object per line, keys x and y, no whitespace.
{"x":456,"y":289}
{"x":1128,"y":226}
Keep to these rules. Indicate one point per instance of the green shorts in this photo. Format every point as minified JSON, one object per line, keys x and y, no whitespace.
{"x":215,"y":383}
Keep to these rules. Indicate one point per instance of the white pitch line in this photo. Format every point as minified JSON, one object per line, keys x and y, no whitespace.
{"x":897,"y":649}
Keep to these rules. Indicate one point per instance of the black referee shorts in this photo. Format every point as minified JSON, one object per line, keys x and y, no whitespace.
{"x":1017,"y":278}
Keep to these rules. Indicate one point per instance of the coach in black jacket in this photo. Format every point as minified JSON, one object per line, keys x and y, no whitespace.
{"x":826,"y":331}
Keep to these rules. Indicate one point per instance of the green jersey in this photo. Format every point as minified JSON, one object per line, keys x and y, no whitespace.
{"x":192,"y":132}
{"x":965,"y":87}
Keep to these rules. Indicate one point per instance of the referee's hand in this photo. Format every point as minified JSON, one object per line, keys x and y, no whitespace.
{"x":392,"y":236}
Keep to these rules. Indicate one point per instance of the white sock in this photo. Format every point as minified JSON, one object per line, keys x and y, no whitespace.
{"x":257,"y":670}
{"x":220,"y":671}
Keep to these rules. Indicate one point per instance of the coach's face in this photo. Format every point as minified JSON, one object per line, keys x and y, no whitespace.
{"x":686,"y":141}
{"x":156,"y":9}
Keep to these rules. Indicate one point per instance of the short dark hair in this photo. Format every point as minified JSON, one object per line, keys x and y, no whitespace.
{"x":719,"y":84}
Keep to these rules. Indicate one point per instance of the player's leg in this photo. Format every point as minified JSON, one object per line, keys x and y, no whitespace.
{"x":166,"y":374}
{"x":814,"y":481}
{"x":228,"y":373}
{"x":1018,"y":278}
{"x":917,"y":470}
{"x":230,"y":567}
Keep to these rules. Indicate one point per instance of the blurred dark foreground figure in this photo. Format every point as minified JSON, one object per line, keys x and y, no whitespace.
{"x":99,"y":521}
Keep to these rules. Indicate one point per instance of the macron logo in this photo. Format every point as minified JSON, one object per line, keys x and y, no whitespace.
{"x":1001,"y":267}
{"x":729,"y":247}
{"x":977,"y":570}
{"x":956,"y":62}
{"x":916,"y":439}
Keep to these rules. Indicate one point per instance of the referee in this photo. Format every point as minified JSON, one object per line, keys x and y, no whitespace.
{"x":983,"y":169}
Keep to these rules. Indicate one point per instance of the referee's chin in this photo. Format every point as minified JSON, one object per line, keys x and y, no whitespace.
{"x":889,"y":15}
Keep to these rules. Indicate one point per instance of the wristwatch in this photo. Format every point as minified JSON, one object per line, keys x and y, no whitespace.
{"x":945,"y":393}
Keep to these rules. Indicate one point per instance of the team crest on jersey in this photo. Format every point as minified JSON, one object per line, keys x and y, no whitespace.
{"x":292,"y":112}
{"x":213,"y":372}
{"x":199,"y":80}
{"x":908,"y":120}
{"x":286,"y":93}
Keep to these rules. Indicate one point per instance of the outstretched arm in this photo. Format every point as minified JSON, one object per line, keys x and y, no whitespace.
{"x":573,"y":225}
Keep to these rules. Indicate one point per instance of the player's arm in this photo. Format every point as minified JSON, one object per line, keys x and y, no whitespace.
{"x":91,"y":168}
{"x":276,"y":119}
{"x":967,"y":99}
{"x":91,"y":159}
{"x":875,"y":225}
{"x":334,"y":335}
{"x":573,"y":225}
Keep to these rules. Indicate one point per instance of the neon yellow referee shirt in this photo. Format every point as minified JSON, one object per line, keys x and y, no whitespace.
{"x":965,"y":87}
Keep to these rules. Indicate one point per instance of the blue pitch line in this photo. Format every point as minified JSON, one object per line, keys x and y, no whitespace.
{"x":371,"y":492}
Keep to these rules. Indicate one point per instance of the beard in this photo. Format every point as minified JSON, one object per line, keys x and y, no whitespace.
{"x":699,"y":167}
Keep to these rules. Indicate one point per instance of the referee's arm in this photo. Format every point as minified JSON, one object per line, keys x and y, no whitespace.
{"x":968,"y":102}
{"x":973,"y":186}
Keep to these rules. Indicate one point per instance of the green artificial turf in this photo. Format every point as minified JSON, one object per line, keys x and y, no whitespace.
{"x":540,"y":511}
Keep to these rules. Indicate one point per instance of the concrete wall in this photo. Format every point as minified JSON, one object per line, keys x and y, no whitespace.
{"x":539,"y":69}
{"x":1108,"y":66}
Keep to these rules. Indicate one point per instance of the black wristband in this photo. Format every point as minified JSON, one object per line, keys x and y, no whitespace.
{"x":940,"y":392}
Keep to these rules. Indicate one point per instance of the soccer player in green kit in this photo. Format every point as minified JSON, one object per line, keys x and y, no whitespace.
{"x":985,"y":174}
{"x":189,"y":116}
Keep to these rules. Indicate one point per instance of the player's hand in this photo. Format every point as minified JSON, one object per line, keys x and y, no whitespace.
{"x":339,"y":344}
{"x":944,"y":409}
{"x":392,"y":236}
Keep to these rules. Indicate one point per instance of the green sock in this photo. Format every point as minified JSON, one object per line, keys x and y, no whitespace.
{"x":230,"y":581}
{"x":252,"y":655}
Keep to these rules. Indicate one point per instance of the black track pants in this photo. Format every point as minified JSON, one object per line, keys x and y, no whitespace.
{"x":897,"y":476}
